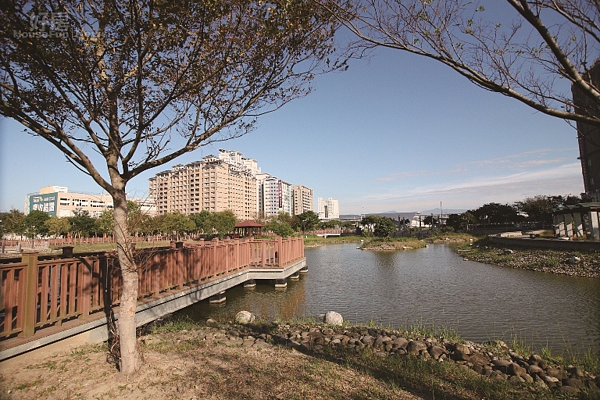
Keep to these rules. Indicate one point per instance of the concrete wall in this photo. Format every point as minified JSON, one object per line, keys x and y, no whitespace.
{"x":553,"y":244}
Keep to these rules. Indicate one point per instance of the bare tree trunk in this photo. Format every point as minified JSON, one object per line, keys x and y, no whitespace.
{"x":130,"y":359}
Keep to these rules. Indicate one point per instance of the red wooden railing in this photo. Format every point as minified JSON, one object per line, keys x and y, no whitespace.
{"x":38,"y":293}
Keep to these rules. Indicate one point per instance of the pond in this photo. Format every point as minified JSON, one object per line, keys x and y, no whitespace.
{"x":434,"y":288}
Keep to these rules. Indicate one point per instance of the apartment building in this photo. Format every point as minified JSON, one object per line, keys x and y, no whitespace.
{"x":328,"y":209}
{"x":211,"y":184}
{"x":588,"y":135}
{"x":276,"y":196}
{"x":57,"y":201}
{"x":302,"y":199}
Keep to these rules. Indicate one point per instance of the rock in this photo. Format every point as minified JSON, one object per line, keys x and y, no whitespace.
{"x":400,"y":343}
{"x":479,"y":359}
{"x":574,"y":382}
{"x":541,"y":384}
{"x":333,"y":318}
{"x":367,"y":340}
{"x":574,"y":260}
{"x":501,"y":365}
{"x":551,"y":381}
{"x":569,"y":389}
{"x":498,"y":343}
{"x":437,"y":351}
{"x":415,"y":347}
{"x":516,"y":370}
{"x":534,"y":370}
{"x":576,"y":372}
{"x":211,"y":322}
{"x":528,"y":378}
{"x":244,"y":317}
{"x":556,"y":373}
{"x":379,"y":342}
{"x":508,"y":251}
{"x":461,"y":353}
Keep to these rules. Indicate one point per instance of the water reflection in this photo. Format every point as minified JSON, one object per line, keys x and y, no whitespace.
{"x":431,"y":286}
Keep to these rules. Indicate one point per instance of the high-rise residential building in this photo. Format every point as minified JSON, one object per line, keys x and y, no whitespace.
{"x":236,"y":158}
{"x":328,"y":209}
{"x":589,"y":135}
{"x":212,"y":184}
{"x":302,"y":199}
{"x":276,"y":196}
{"x":57,"y":201}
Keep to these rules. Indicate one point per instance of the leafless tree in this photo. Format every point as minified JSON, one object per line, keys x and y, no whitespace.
{"x":141,"y":82}
{"x":533,"y":51}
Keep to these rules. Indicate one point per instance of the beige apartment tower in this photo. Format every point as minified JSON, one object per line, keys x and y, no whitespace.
{"x":211,"y":184}
{"x":302,"y":199}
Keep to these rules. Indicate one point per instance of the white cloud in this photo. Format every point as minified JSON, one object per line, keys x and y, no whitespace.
{"x":561,"y":179}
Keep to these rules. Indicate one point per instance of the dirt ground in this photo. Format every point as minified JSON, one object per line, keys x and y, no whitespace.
{"x":197,"y":364}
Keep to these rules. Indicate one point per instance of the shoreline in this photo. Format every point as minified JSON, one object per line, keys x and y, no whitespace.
{"x":302,"y":359}
{"x":560,"y":262}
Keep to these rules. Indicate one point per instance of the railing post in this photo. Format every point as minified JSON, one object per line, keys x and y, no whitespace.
{"x":67,"y":251}
{"x":279,"y":252}
{"x":30,"y":303}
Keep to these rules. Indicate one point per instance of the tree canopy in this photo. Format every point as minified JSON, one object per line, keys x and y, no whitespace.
{"x":530,"y":50}
{"x":135,"y":84}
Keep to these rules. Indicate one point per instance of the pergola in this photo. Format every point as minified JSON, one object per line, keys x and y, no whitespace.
{"x":248,"y":228}
{"x":577,"y":221}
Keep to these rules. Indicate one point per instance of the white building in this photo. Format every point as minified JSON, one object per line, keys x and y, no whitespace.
{"x":328,"y":209}
{"x":275,"y":195}
{"x":57,"y":201}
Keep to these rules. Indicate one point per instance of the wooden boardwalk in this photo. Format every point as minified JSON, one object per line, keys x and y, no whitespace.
{"x":45,"y":299}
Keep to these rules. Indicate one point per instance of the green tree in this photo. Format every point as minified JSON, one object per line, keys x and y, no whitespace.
{"x":176,"y":224}
{"x":533,"y":51}
{"x":367,"y":225}
{"x":384,"y":227}
{"x":35,"y":223}
{"x":430,"y":220}
{"x":203,"y":222}
{"x":135,"y":218}
{"x":223,"y":222}
{"x":105,"y":224}
{"x":141,"y":83}
{"x":281,"y":228}
{"x":13,"y":222}
{"x":538,"y":208}
{"x":82,"y":225}
{"x":58,"y":226}
{"x":308,"y":221}
{"x":494,"y":213}
{"x":461,"y":221}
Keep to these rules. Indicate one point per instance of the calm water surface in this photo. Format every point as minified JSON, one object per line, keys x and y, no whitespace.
{"x":431,"y":287}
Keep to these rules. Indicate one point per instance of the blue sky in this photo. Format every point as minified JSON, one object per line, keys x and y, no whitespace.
{"x":396,"y":132}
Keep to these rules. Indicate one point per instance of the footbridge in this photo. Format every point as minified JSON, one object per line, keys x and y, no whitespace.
{"x":328,"y":232}
{"x":70,"y":299}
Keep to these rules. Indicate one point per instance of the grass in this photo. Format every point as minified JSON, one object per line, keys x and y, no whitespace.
{"x":452,"y":237}
{"x":187,"y":364}
{"x":401,"y":243}
{"x":313,"y":240}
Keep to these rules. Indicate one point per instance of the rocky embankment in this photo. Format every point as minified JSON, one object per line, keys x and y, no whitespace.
{"x":583,"y":264}
{"x":494,"y":360}
{"x":377,"y":245}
